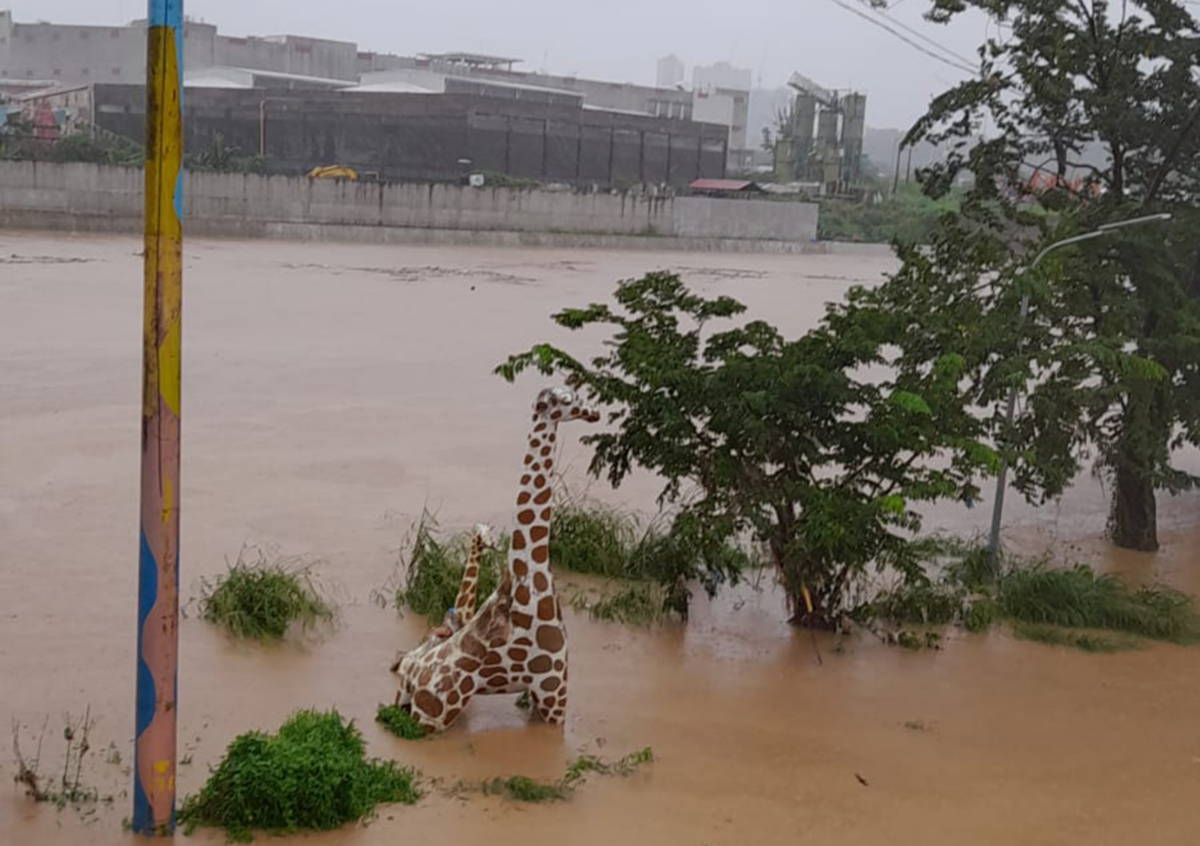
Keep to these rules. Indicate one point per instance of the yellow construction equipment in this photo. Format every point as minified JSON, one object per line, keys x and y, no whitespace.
{"x":333,"y":172}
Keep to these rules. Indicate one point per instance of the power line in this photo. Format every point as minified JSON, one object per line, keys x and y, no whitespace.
{"x":876,"y":22}
{"x":883,"y":14}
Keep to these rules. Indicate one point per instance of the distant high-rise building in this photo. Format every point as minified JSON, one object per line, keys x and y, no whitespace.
{"x":721,"y":75}
{"x":670,"y":71}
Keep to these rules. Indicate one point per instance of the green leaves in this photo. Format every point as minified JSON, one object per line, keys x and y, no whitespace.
{"x":753,"y":432}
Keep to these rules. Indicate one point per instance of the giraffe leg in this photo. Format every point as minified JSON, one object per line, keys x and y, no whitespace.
{"x":550,"y":705}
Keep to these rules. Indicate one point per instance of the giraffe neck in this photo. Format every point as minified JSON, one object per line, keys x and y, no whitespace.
{"x":529,"y":552}
{"x":464,"y":603}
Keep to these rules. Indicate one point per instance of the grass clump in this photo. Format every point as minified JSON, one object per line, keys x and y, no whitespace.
{"x":313,"y":774}
{"x":593,"y":538}
{"x":434,"y":570}
{"x":261,"y":599}
{"x":1058,"y":636}
{"x":1078,"y":598}
{"x":524,"y":789}
{"x":399,"y":722}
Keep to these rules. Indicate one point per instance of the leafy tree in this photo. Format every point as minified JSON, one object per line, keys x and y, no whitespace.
{"x":1109,"y":91}
{"x":818,"y":447}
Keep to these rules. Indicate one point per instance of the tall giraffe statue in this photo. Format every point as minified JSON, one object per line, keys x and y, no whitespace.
{"x":516,"y":642}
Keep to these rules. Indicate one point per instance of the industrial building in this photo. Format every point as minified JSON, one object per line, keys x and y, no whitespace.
{"x":37,"y":56}
{"x":821,"y":139}
{"x":521,"y":132}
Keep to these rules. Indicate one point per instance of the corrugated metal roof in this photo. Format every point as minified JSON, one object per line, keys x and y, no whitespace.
{"x":394,"y":87}
{"x":723,"y":185}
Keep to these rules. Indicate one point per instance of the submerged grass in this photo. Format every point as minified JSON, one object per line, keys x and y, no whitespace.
{"x":1043,"y":604}
{"x":1078,"y":598}
{"x":313,"y":774}
{"x":520,"y":788}
{"x":1059,"y":636}
{"x":399,"y":722}
{"x":636,"y":603}
{"x":585,"y":537}
{"x":262,"y":598}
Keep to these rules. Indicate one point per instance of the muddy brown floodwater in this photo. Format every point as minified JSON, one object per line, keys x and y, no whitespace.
{"x":332,"y":391}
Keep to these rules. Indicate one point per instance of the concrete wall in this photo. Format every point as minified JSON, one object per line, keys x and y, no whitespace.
{"x":91,"y":197}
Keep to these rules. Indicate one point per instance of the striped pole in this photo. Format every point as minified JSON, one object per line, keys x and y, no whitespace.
{"x":158,"y":560}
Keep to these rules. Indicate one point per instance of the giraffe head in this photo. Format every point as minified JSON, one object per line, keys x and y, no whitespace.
{"x":486,"y":534}
{"x":559,"y":405}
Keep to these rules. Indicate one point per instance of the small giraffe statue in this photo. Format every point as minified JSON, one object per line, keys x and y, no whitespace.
{"x":464,"y":604}
{"x":459,"y":614}
{"x":516,"y":642}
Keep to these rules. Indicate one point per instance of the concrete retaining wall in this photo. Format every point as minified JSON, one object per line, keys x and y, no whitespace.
{"x":94,"y":198}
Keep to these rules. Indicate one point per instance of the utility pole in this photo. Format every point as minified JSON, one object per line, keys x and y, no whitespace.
{"x":156,"y":708}
{"x":1010,"y":411}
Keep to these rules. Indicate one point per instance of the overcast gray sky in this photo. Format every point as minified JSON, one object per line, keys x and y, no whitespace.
{"x":609,"y":39}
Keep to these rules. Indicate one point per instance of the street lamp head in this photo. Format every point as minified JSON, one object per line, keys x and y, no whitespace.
{"x":1134,"y":221}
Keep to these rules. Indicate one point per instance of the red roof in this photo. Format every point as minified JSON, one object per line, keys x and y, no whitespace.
{"x":723,"y":185}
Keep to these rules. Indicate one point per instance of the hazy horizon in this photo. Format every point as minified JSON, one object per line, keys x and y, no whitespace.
{"x":620,"y":40}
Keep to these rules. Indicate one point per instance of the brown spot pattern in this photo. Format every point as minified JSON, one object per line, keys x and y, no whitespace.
{"x":525,"y":517}
{"x":519,"y":568}
{"x":488,"y":672}
{"x":497,"y":681}
{"x":492,"y":658}
{"x":425,"y":677}
{"x":539,"y":481}
{"x":551,"y":684}
{"x":472,"y":646}
{"x":540,"y":664}
{"x":522,"y":620}
{"x":550,"y":638}
{"x":466,"y":685}
{"x":549,"y":702}
{"x":558,"y":665}
{"x":518,"y":540}
{"x":540,"y":554}
{"x":467,"y":663}
{"x":538,"y":533}
{"x":428,"y":703}
{"x":452,"y":697}
{"x":523,"y":497}
{"x":523,"y":641}
{"x":546,"y":514}
{"x":522,"y":593}
{"x":518,"y":654}
{"x":543,"y":497}
{"x":540,"y":582}
{"x":452,"y":715}
{"x":545,"y":608}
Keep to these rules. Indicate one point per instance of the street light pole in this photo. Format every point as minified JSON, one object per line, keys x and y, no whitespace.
{"x":1010,"y":411}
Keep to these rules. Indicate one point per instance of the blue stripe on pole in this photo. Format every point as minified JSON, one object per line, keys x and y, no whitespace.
{"x":146,"y":693}
{"x":166,"y":13}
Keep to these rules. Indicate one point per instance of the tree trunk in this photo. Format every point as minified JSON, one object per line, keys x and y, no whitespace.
{"x":1133,"y":520}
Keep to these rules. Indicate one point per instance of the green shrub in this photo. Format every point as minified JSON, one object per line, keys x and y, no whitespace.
{"x":262,"y":599}
{"x":312,"y":774}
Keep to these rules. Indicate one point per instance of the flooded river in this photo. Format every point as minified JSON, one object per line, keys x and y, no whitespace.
{"x":333,"y":391}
